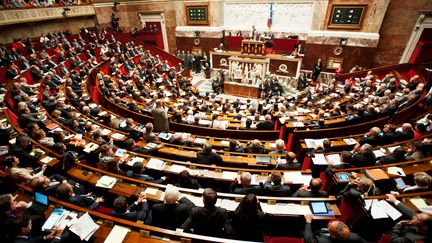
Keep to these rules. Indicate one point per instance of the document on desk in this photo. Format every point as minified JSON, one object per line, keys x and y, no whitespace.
{"x":378,"y":153}
{"x":286,"y":209}
{"x":391,"y":149}
{"x":229,"y":175}
{"x":132,"y":161}
{"x":393,"y":170}
{"x":117,"y":234}
{"x":303,"y":209}
{"x":296,"y":177}
{"x":54,"y":219}
{"x":225,"y":143}
{"x":335,"y":158}
{"x":418,"y":202}
{"x":120,"y":152}
{"x":196,"y":200}
{"x":151,"y":191}
{"x":84,"y":227}
{"x":155,"y":164}
{"x":350,"y":141}
{"x":389,"y":209}
{"x":319,"y":159}
{"x":117,"y":136}
{"x":376,"y":211}
{"x":46,"y":160}
{"x":229,"y":205}
{"x":106,"y":182}
{"x":177,"y":168}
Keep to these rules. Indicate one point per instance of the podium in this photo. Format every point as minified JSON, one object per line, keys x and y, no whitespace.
{"x":253,"y":47}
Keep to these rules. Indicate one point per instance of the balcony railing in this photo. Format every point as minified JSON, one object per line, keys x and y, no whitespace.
{"x":25,"y":15}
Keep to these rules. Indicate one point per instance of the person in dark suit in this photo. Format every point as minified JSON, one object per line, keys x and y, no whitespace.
{"x":21,"y":227}
{"x":22,"y":149}
{"x":245,"y":186}
{"x":398,"y":155}
{"x":208,"y":220}
{"x":313,"y":190}
{"x":207,"y":156}
{"x":267,"y":124}
{"x":337,"y":232}
{"x":406,"y":133}
{"x":173,"y":211}
{"x":248,"y":220}
{"x":317,"y":68}
{"x":354,"y":191}
{"x":256,"y":147}
{"x":417,"y":228}
{"x":185,"y":180}
{"x":273,"y":186}
{"x":65,"y":192}
{"x":365,"y":156}
{"x":290,"y":164}
{"x":372,"y":137}
{"x":139,"y":210}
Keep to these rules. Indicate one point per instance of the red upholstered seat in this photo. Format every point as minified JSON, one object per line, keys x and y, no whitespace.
{"x":268,"y":239}
{"x":306,"y":163}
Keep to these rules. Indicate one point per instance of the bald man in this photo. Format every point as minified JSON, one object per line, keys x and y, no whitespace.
{"x":406,"y":133}
{"x":337,"y":232}
{"x":312,"y":191}
{"x":291,"y":163}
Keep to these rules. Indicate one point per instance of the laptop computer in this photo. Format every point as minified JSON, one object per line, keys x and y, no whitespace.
{"x":40,"y":201}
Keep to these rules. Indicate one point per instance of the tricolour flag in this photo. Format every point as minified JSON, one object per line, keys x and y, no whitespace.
{"x":270,"y":19}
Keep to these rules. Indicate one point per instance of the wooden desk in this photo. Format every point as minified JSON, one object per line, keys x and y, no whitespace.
{"x":242,"y":90}
{"x":253,"y":47}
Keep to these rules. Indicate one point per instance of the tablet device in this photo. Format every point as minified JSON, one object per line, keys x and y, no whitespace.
{"x":400,"y":182}
{"x":343,"y":177}
{"x":318,"y":207}
{"x":41,"y":198}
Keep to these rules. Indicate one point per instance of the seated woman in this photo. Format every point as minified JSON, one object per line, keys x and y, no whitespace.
{"x":41,"y":137}
{"x":18,"y":174}
{"x":248,"y":220}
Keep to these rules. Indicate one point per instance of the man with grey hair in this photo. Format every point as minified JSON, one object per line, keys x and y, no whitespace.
{"x":173,"y":211}
{"x":160,"y":117}
{"x":365,"y":156}
{"x":244,"y":186}
{"x":371,"y":137}
{"x":280,"y":147}
{"x":267,"y":124}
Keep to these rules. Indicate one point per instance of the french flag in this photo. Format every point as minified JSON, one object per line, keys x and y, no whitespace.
{"x":270,"y":19}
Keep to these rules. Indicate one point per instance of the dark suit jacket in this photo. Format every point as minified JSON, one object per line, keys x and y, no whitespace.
{"x":265,"y":125}
{"x":83,"y":201}
{"x":289,"y":166}
{"x":407,"y":233}
{"x":26,"y":159}
{"x":310,"y":237}
{"x":171,"y":216}
{"x":208,"y":221}
{"x":404,"y":135}
{"x":135,"y":212}
{"x":240,"y":189}
{"x":208,"y":158}
{"x":363,"y":159}
{"x":300,"y":193}
{"x":279,"y":190}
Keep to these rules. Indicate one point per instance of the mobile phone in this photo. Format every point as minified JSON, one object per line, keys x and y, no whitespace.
{"x":400,"y":182}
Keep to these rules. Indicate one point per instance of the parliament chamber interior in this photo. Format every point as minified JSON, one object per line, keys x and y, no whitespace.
{"x":304,"y":121}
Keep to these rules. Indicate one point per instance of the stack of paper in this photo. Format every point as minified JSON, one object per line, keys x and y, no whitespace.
{"x":84,"y":227}
{"x":297,"y":177}
{"x":393,"y":170}
{"x":319,"y":159}
{"x":335,"y":158}
{"x":90,"y":147}
{"x":46,"y":160}
{"x":382,"y":209}
{"x":200,"y":140}
{"x":132,"y":161}
{"x":117,"y":136}
{"x":117,"y":234}
{"x":419,"y":202}
{"x":106,"y":182}
{"x":155,"y":164}
{"x":55,"y":219}
{"x":350,"y":141}
{"x":229,"y":175}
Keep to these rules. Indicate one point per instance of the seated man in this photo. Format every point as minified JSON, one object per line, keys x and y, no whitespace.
{"x":337,"y":232}
{"x":280,"y":147}
{"x":245,"y":186}
{"x":267,"y":124}
{"x":235,"y":146}
{"x":291,"y":163}
{"x":273,"y":186}
{"x":65,"y":192}
{"x":139,"y":210}
{"x":372,"y":137}
{"x":359,"y":188}
{"x":256,"y":147}
{"x":416,"y":229}
{"x":364,"y":157}
{"x":312,"y":191}
{"x":208,"y":220}
{"x":173,"y":211}
{"x":208,"y":156}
